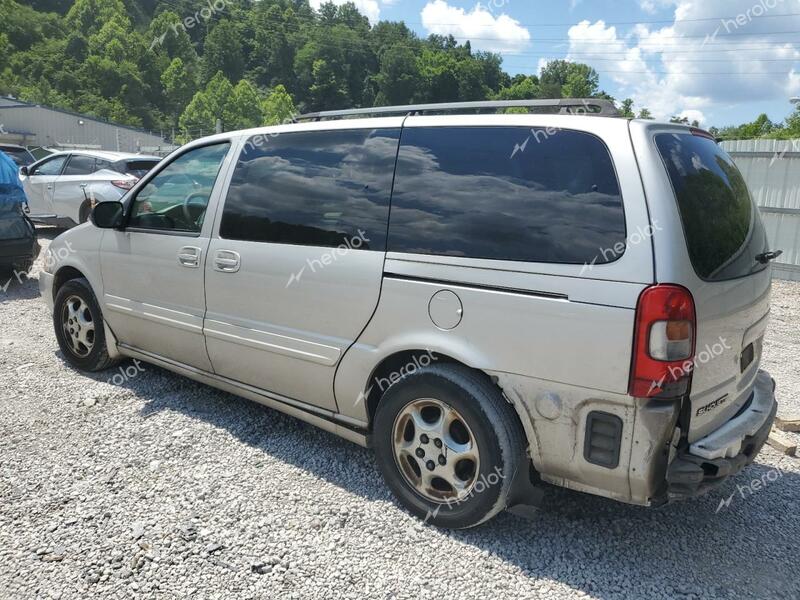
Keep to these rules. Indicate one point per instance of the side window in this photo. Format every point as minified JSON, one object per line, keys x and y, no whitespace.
{"x":102,"y":164}
{"x":80,"y":165}
{"x":506,"y":193}
{"x":51,"y":167}
{"x":322,"y":188}
{"x":177,"y":198}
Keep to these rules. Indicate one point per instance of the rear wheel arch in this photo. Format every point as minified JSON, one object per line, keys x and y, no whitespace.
{"x":398,"y":363}
{"x":396,"y":366}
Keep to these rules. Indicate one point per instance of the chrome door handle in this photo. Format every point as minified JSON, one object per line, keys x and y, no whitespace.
{"x":227,"y":261}
{"x":189,"y":256}
{"x":84,"y":185}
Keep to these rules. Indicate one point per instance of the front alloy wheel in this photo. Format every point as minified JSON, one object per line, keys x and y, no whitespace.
{"x":78,"y":323}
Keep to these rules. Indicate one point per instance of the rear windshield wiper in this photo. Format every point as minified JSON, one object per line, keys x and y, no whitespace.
{"x":768,"y":257}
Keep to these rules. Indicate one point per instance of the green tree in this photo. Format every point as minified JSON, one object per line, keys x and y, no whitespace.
{"x":278,"y":107}
{"x":792,"y":128}
{"x":167,"y":36}
{"x":272,"y":59}
{"x":243,"y":109}
{"x":88,"y":16}
{"x":327,"y":89}
{"x":206,"y":107}
{"x":439,"y":74}
{"x":645,"y":113}
{"x":684,"y":121}
{"x":180,"y":86}
{"x":582,"y":82}
{"x":561,"y":78}
{"x":524,"y":88}
{"x":398,"y":77}
{"x":626,"y":110}
{"x":223,"y":51}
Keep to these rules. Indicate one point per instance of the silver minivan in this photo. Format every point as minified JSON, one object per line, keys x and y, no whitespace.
{"x":490,"y":301}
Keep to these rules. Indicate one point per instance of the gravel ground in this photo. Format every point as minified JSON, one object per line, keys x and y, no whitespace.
{"x":160,"y":487}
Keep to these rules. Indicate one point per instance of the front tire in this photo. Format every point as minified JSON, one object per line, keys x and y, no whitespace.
{"x":449,"y":445}
{"x":79,"y":329}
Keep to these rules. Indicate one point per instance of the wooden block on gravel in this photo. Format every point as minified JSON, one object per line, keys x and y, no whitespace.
{"x":781,"y":442}
{"x":788,"y":423}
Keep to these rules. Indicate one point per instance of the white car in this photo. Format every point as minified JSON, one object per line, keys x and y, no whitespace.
{"x":63,"y":187}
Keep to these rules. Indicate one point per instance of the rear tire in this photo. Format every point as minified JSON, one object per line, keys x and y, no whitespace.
{"x":79,"y":327}
{"x":449,"y":445}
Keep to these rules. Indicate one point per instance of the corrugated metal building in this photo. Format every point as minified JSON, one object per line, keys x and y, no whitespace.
{"x":35,"y":125}
{"x":772,"y":171}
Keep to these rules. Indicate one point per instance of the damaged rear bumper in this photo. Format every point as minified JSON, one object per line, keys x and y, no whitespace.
{"x":708,"y":462}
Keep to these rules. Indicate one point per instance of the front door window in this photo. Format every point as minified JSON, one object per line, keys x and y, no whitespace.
{"x":177,"y":198}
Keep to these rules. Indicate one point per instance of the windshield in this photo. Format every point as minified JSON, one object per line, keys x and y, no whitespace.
{"x":723,"y":228}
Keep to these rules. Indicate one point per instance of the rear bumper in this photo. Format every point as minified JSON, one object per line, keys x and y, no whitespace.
{"x":711,"y":460}
{"x":14,"y":252}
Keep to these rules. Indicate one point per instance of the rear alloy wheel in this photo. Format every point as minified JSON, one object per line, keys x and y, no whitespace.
{"x":449,"y":445}
{"x":436,"y":451}
{"x":79,"y":328}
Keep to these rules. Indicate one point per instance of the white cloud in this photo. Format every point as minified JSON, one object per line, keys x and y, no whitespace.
{"x":369,"y":8}
{"x":694,"y":63}
{"x":498,"y":33}
{"x":653,"y":6}
{"x":693,"y":115}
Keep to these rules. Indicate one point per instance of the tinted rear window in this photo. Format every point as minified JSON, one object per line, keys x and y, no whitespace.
{"x":137,"y":168}
{"x":506,"y":193}
{"x":323,"y":188}
{"x":722,"y":226}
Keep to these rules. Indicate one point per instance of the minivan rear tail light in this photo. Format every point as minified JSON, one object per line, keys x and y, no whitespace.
{"x":664,"y":343}
{"x":124,"y":184}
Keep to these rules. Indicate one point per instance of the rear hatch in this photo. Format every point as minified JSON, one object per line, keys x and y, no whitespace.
{"x":725,"y":241}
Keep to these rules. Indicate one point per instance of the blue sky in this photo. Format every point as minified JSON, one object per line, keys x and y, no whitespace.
{"x":720,"y":61}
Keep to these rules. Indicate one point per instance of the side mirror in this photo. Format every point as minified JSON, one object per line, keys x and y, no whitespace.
{"x":23,"y":171}
{"x":108,"y":215}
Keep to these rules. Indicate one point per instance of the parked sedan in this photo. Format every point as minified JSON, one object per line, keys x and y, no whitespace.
{"x":63,"y":187}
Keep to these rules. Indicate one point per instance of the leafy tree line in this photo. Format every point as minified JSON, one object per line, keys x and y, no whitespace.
{"x":184,"y":65}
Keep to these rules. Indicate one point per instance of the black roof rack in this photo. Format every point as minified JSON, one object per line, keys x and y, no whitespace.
{"x":599,"y":107}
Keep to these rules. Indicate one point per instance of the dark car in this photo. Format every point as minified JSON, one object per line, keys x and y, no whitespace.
{"x":18,"y":154}
{"x":18,"y":244}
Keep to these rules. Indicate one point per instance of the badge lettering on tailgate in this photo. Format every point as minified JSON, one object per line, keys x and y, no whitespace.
{"x":711,"y":406}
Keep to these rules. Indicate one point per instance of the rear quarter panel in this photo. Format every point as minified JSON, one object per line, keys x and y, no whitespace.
{"x":556,"y":338}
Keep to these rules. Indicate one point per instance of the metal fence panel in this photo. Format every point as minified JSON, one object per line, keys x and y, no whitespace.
{"x":772,"y":171}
